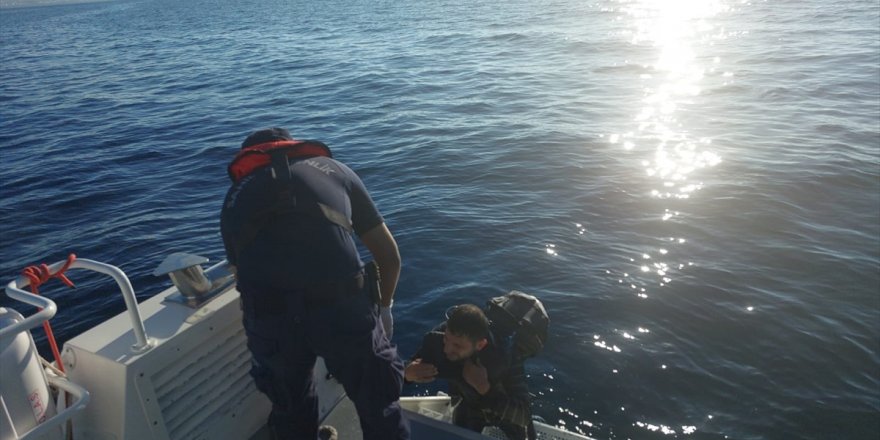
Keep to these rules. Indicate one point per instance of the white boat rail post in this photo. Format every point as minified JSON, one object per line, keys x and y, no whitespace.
{"x":14,"y":291}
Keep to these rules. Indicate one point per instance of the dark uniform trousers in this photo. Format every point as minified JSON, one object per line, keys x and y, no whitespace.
{"x":286,"y":330}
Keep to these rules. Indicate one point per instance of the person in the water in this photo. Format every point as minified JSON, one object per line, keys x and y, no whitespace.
{"x":489,"y":381}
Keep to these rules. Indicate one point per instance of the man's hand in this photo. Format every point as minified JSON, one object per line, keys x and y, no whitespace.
{"x":476,"y":376}
{"x":420,"y":372}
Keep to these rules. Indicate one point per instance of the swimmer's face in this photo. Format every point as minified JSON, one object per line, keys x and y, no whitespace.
{"x":457,"y":348}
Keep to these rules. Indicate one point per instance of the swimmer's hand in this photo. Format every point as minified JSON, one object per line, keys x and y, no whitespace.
{"x":420,"y":372}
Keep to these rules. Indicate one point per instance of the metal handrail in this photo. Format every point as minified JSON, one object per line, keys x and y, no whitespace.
{"x":48,"y":306}
{"x":82,"y":399}
{"x":14,"y":291}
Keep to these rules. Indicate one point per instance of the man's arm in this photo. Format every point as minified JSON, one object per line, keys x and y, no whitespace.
{"x":383,"y":247}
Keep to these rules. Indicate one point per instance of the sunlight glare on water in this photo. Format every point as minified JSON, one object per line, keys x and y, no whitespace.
{"x":677,"y":32}
{"x":675,"y":36}
{"x":673,"y":28}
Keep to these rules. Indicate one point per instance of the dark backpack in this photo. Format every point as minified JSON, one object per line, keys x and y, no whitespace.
{"x":521,"y":320}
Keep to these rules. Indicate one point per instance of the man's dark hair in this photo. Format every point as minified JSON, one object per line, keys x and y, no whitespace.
{"x":468,"y":320}
{"x":266,"y":135}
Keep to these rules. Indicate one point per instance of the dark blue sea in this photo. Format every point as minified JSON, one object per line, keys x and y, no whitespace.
{"x":692,"y":187}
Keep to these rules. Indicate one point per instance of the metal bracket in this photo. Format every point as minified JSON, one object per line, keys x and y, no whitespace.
{"x":195,"y":285}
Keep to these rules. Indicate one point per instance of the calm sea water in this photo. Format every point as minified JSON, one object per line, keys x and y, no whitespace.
{"x":692,"y":187}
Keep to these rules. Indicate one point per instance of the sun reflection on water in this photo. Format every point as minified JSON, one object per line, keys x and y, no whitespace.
{"x":676,"y":31}
{"x":664,"y":141}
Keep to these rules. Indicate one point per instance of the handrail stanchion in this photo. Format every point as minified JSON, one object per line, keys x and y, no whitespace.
{"x":14,"y":291}
{"x":137,"y":324}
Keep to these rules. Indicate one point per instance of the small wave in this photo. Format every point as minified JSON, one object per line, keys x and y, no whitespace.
{"x":508,"y":37}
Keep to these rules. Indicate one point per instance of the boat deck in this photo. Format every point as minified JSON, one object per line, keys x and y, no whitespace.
{"x":344,"y":419}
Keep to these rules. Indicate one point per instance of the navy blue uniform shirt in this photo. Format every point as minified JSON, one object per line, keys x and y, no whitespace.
{"x":293,"y":249}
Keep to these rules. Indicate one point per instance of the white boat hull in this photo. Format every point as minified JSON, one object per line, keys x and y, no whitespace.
{"x":168,"y":369}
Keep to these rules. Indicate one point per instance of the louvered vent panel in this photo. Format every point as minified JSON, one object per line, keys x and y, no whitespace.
{"x":208,"y":379}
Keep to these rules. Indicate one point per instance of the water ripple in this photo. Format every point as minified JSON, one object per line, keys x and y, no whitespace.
{"x":691,"y":187}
